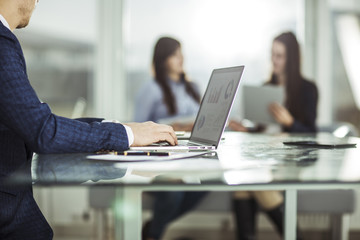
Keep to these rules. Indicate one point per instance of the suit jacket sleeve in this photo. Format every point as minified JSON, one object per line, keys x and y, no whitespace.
{"x":44,"y":132}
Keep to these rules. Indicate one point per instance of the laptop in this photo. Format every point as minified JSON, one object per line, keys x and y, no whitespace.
{"x":256,"y":101}
{"x":213,"y":113}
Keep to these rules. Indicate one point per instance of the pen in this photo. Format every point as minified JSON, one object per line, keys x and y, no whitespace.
{"x":141,"y":153}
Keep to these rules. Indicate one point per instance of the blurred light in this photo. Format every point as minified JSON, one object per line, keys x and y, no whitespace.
{"x":257,"y":175}
{"x":348,"y":33}
{"x":124,"y":210}
{"x":350,"y":165}
{"x":341,"y":131}
{"x":228,"y":25}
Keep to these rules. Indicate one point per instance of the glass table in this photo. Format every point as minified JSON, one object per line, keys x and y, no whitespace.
{"x":243,"y":161}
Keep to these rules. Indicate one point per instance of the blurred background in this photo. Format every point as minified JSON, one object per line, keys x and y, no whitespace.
{"x":97,"y":53}
{"x":89,"y":57}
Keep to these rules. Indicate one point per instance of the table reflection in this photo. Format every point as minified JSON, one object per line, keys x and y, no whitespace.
{"x":73,"y":168}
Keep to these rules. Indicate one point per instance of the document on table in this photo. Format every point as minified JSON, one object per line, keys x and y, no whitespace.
{"x":146,"y":158}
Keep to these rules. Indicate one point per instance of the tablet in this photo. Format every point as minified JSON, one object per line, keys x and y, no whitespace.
{"x":256,"y":101}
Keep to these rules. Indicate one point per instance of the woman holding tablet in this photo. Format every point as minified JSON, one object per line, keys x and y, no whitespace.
{"x":297,"y":115}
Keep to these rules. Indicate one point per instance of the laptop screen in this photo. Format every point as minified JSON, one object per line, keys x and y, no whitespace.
{"x":216,"y":105}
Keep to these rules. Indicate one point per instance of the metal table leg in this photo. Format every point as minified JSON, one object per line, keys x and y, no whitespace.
{"x":128,"y":210}
{"x":290,"y":214}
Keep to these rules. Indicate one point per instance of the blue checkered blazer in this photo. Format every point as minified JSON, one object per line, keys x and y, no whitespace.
{"x":27,"y":126}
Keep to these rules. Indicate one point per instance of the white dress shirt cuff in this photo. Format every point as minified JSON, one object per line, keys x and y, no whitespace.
{"x":130,"y":134}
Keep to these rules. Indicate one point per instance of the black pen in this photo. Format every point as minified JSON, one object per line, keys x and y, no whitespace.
{"x":158,"y":154}
{"x":142,"y":153}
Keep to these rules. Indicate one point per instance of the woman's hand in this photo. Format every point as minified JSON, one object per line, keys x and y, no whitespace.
{"x":281,"y":114}
{"x":182,"y":126}
{"x":237,"y":126}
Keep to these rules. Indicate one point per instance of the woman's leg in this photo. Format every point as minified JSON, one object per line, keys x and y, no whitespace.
{"x":272,"y":202}
{"x":245,"y":208}
{"x":190,"y":200}
{"x":165,"y":207}
{"x":169,"y":206}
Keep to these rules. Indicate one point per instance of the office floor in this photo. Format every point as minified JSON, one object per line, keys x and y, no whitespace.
{"x":264,"y":235}
{"x":216,"y":235}
{"x":208,"y":227}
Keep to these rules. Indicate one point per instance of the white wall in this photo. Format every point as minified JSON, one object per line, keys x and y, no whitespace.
{"x":73,"y":19}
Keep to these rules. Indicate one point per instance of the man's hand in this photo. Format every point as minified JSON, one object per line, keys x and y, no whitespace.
{"x":281,"y":114}
{"x":149,"y":132}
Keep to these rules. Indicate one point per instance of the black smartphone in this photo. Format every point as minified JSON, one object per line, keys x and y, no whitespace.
{"x":321,"y":144}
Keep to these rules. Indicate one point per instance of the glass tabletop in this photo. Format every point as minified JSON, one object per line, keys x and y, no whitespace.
{"x":242,"y":158}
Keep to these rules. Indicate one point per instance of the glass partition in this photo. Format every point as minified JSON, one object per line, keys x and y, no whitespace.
{"x":213,"y":34}
{"x":59,"y":47}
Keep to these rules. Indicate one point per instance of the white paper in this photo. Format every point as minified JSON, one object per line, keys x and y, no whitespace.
{"x":122,"y":158}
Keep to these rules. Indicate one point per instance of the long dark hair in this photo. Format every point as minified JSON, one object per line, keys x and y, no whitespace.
{"x":164,"y":48}
{"x":294,"y":79}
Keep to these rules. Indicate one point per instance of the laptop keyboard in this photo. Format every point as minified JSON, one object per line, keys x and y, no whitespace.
{"x":180,"y":143}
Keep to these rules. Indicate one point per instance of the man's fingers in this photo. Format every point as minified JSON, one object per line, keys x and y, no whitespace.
{"x":150,"y":132}
{"x":174,"y":137}
{"x":168,"y":138}
{"x":168,"y":130}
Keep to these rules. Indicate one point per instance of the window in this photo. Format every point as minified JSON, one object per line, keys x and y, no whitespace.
{"x":213,"y":34}
{"x":59,"y":52}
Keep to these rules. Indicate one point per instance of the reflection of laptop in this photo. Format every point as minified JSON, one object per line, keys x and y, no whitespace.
{"x":213,"y":113}
{"x":183,"y":135}
{"x":256,"y":101}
